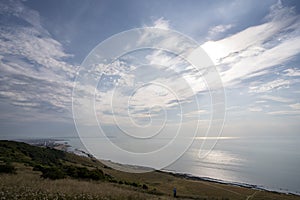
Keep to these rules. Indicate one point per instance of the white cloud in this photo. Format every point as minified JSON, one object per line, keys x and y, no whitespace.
{"x":250,"y":52}
{"x":285,"y":112}
{"x":295,"y":106}
{"x":161,"y":23}
{"x":264,"y":87}
{"x":241,"y":41}
{"x":219,"y":29}
{"x":292,"y":72}
{"x":16,"y":8}
{"x":192,"y":76}
{"x":260,"y":101}
{"x":268,"y":58}
{"x":167,"y":84}
{"x":255,"y":109}
{"x":34,"y":74}
{"x":276,"y":98}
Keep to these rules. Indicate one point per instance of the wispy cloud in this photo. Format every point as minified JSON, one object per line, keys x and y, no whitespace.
{"x":164,"y":86}
{"x":161,"y":23}
{"x":34,"y":73}
{"x":257,"y":48}
{"x":17,"y":9}
{"x":292,"y":72}
{"x":285,"y":112}
{"x":216,"y":30}
{"x":276,"y":98}
{"x":295,"y":106}
{"x":255,"y":109}
{"x":257,"y":58}
{"x":264,"y":87}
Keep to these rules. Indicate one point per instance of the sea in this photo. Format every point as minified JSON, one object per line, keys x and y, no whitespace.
{"x":268,"y":162}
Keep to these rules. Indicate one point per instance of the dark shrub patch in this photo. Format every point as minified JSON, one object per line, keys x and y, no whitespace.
{"x":53,"y":173}
{"x":83,"y":173}
{"x":7,"y":168}
{"x":145,"y":187}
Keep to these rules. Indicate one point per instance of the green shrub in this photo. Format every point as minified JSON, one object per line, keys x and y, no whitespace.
{"x":7,"y":168}
{"x":38,"y":167}
{"x":53,"y":173}
{"x":83,"y":173}
{"x":145,"y":187}
{"x":134,"y":184}
{"x":96,"y":174}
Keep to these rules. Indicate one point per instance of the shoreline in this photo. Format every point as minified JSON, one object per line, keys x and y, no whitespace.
{"x":65,"y":145}
{"x":238,"y":184}
{"x":206,"y":179}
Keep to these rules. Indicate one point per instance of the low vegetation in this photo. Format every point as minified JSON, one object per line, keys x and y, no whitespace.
{"x":30,"y":172}
{"x":7,"y":168}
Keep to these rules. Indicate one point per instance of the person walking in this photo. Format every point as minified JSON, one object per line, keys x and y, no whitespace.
{"x":174,"y":192}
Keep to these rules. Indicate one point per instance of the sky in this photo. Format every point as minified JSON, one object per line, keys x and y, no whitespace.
{"x":254,"y":46}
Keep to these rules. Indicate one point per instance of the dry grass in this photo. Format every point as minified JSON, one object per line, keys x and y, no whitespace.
{"x":28,"y":185}
{"x":165,"y":182}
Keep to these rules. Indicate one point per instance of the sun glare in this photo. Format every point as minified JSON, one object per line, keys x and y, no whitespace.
{"x":215,"y":51}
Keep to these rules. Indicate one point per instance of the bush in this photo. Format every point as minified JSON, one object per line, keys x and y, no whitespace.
{"x":53,"y":173}
{"x":38,"y":168}
{"x":83,"y":173}
{"x":7,"y":168}
{"x":96,"y":174}
{"x":134,"y":184}
{"x":145,"y":187}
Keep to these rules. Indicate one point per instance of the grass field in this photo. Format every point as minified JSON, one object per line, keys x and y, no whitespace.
{"x":26,"y":183}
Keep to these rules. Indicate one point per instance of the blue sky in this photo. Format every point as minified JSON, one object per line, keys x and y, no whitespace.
{"x":255,"y":46}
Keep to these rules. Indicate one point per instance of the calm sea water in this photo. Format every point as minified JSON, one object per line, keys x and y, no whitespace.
{"x":269,"y":162}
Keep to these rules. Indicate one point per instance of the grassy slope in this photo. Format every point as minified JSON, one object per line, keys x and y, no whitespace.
{"x":28,"y":184}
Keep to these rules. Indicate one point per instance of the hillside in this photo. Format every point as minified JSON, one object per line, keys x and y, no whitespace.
{"x":30,"y":172}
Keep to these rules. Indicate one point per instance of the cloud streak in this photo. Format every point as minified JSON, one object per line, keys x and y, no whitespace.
{"x":34,"y":72}
{"x":257,"y":48}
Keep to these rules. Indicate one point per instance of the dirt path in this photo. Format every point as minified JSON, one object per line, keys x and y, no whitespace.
{"x":252,"y":195}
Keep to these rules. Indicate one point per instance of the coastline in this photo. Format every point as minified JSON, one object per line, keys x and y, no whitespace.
{"x":45,"y":172}
{"x":238,"y":184}
{"x":64,"y":145}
